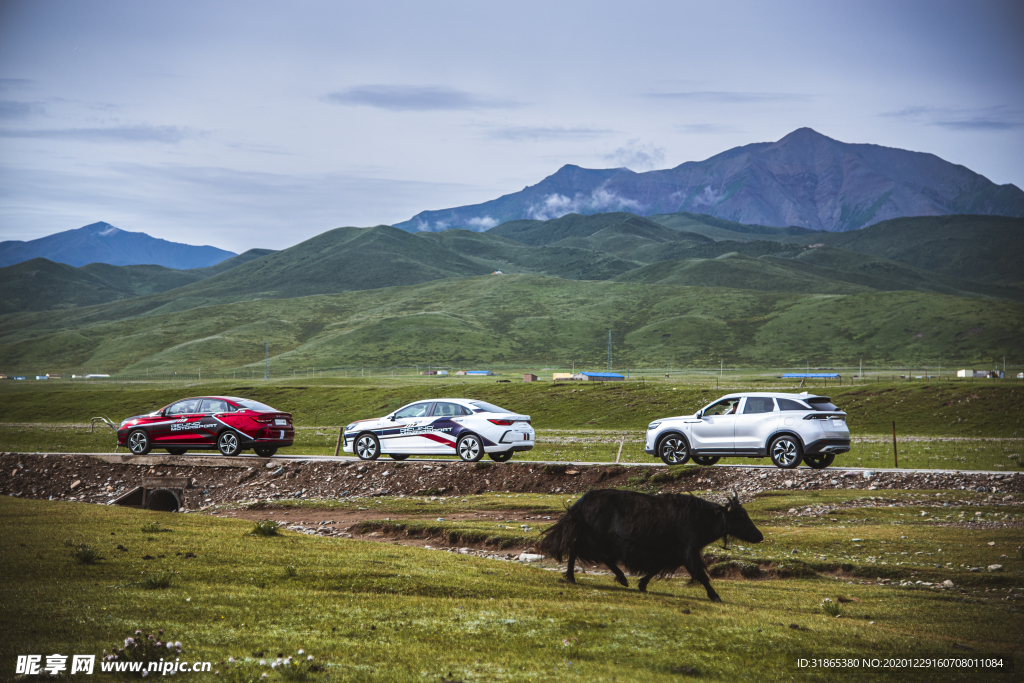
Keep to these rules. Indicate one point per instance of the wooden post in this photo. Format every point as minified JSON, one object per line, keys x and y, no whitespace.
{"x":895,"y":454}
{"x":622,"y":441}
{"x":341,"y":434}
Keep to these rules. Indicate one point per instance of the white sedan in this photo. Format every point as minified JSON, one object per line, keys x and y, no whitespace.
{"x":445,"y":426}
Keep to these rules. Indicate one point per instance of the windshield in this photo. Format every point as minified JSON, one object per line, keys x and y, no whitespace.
{"x":487,"y":407}
{"x":822,"y":403}
{"x":254,"y":405}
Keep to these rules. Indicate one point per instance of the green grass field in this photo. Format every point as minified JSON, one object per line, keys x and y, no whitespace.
{"x":371,"y":611}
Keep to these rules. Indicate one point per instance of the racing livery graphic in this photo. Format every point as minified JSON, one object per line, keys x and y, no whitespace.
{"x":226,"y":423}
{"x":444,"y":426}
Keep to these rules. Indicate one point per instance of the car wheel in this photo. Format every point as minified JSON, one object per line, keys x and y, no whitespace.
{"x":177,"y":451}
{"x":139,"y":443}
{"x":501,"y":457}
{"x":398,"y":456}
{"x":819,"y":461}
{"x":229,"y":444}
{"x":786,"y":452}
{"x":265,"y":451}
{"x":470,"y":448}
{"x":673,"y":450}
{"x":367,"y":447}
{"x":706,"y":460}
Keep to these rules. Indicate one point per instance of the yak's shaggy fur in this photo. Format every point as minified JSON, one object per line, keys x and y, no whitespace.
{"x":648,"y":535}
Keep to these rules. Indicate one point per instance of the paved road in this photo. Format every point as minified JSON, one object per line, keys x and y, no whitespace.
{"x":249,"y":461}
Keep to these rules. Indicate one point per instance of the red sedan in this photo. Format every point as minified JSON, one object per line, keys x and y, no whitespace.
{"x":226,"y":423}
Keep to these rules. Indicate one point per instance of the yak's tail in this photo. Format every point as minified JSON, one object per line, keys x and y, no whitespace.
{"x":560,"y":538}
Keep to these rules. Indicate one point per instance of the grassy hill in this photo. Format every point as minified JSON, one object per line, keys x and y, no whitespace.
{"x":516,"y":319}
{"x":42,"y":285}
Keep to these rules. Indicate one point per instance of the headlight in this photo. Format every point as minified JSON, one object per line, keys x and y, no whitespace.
{"x":653,"y":425}
{"x":349,"y":428}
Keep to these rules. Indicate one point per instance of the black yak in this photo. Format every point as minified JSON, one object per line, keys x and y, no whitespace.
{"x":648,"y":535}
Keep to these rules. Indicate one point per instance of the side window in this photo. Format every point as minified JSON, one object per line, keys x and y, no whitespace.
{"x":726,"y":406}
{"x":415,"y":410}
{"x":758,"y":404}
{"x":214,"y":406}
{"x":786,"y":404}
{"x":184,"y":407}
{"x":447,"y":410}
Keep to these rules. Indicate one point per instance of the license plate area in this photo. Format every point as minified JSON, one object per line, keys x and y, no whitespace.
{"x":837,"y":423}
{"x":280,"y":422}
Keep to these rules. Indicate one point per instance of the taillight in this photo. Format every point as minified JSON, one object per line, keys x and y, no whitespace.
{"x":501,"y":422}
{"x":264,"y":418}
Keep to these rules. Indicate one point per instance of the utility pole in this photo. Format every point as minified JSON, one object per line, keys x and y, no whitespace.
{"x":609,"y":350}
{"x":266,"y":360}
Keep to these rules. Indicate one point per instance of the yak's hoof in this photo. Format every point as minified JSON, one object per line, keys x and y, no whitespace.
{"x":714,"y":598}
{"x":568,"y":579}
{"x":623,"y":582}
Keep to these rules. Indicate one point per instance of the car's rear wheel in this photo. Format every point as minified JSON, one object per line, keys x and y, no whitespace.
{"x":265,"y":451}
{"x":706,"y":460}
{"x":786,"y":452}
{"x":367,"y":447}
{"x":673,"y":450}
{"x":819,"y":461}
{"x":177,"y":451}
{"x":501,"y":457}
{"x":229,"y":443}
{"x":139,"y":443}
{"x":398,"y":456}
{"x":470,"y":448}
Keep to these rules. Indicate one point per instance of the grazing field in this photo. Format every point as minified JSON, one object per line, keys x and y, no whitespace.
{"x":375,"y":611}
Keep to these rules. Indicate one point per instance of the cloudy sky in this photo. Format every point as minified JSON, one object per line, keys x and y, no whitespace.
{"x":242,"y":124}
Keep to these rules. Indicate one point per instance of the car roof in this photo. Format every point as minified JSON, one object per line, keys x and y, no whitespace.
{"x":775,"y":394}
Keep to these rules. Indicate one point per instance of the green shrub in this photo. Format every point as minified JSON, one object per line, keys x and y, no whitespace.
{"x":291,"y":572}
{"x":145,"y":648}
{"x":85,"y":554}
{"x":265,"y":527}
{"x":153,"y":528}
{"x":833,"y":609}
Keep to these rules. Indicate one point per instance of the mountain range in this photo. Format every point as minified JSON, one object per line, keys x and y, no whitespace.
{"x":684,"y":287}
{"x":806,"y":180}
{"x":103,"y":243}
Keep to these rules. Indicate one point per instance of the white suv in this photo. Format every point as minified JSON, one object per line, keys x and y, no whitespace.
{"x":788,"y":428}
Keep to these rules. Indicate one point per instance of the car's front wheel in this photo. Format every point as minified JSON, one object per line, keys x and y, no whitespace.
{"x":139,"y":443}
{"x":265,"y":451}
{"x":786,"y":452}
{"x":367,"y":447}
{"x":229,"y":444}
{"x":177,"y":451}
{"x":470,"y":448}
{"x":819,"y":461}
{"x":706,"y":460}
{"x":501,"y":457}
{"x":673,"y":450}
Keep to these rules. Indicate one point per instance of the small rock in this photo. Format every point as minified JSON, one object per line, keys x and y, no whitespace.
{"x":529,"y":557}
{"x":947,"y":584}
{"x":855,"y":540}
{"x":991,"y":542}
{"x":75,"y":484}
{"x":995,"y":567}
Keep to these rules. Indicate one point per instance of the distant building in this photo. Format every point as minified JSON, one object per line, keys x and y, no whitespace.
{"x":42,"y":377}
{"x":480,"y":373}
{"x":497,"y":272}
{"x":442,"y":372}
{"x":20,"y":377}
{"x":3,"y":377}
{"x":529,"y":378}
{"x":429,"y":372}
{"x":600,"y":377}
{"x":461,"y":372}
{"x":979,"y":374}
{"x":100,"y":376}
{"x":562,"y":376}
{"x":52,"y":375}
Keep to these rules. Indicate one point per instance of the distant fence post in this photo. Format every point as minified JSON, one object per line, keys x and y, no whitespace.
{"x":895,"y":454}
{"x":341,"y":434}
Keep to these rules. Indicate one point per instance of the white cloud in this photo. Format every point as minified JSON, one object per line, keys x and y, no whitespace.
{"x":483,"y":223}
{"x":600,"y":200}
{"x":637,"y":156}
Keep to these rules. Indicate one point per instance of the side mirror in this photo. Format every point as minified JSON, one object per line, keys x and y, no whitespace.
{"x":700,"y":414}
{"x":390,"y":418}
